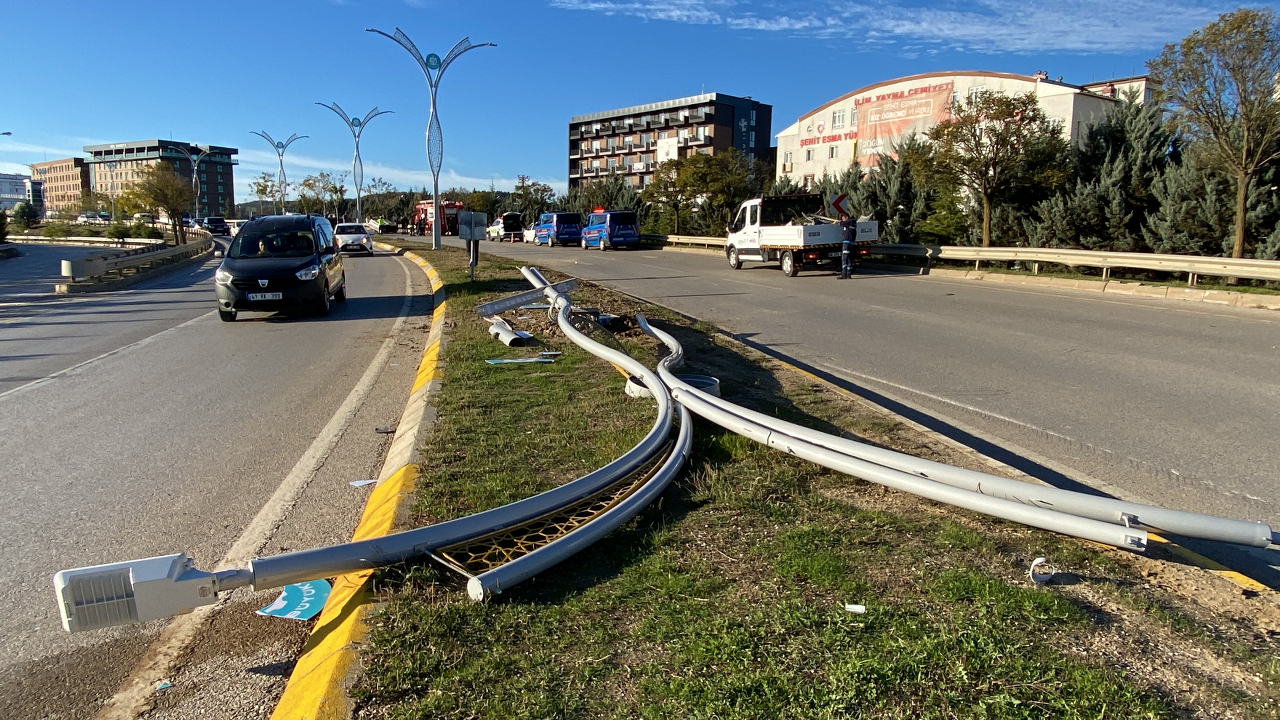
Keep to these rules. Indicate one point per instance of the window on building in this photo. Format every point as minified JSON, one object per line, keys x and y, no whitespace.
{"x":786,"y":158}
{"x":753,"y":118}
{"x":808,"y":183}
{"x":612,"y":143}
{"x":833,"y":152}
{"x":662,"y":134}
{"x":808,"y":155}
{"x":977,"y":89}
{"x":837,"y":119}
{"x":612,"y":163}
{"x":853,"y":117}
{"x":595,"y":144}
{"x":595,"y":163}
{"x":751,"y":139}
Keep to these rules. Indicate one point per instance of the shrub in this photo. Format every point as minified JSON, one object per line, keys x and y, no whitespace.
{"x":119,"y":231}
{"x":4,"y":227}
{"x":57,"y":230}
{"x":143,"y":230}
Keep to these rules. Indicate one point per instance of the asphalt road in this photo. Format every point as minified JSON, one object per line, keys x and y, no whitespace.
{"x":1172,"y":403}
{"x":135,"y":423}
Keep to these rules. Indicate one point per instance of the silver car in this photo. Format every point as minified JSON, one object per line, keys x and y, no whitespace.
{"x":353,"y":237}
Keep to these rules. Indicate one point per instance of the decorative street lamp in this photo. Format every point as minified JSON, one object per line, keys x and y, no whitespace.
{"x":356,"y":125}
{"x":435,"y":137}
{"x":195,"y":159}
{"x":280,"y":147}
{"x":111,"y":186}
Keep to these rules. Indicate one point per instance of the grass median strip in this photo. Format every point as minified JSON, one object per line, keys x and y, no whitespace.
{"x":726,"y":598}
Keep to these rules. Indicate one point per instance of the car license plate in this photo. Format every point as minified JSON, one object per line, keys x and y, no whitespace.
{"x":833,"y":254}
{"x":265,"y":296}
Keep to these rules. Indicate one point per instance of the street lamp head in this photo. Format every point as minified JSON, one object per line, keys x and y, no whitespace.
{"x":355,"y":122}
{"x":279,"y":145}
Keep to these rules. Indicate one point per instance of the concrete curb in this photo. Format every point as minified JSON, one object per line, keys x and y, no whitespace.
{"x":107,"y":285}
{"x":324,"y":672}
{"x":1115,"y":287}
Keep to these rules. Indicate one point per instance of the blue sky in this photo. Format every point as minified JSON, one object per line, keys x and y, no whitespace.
{"x":211,"y":72}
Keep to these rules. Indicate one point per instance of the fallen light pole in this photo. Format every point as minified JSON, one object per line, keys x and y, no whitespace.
{"x":435,"y":136}
{"x":356,"y":125}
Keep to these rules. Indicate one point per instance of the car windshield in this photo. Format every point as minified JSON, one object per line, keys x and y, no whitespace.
{"x":789,"y":209}
{"x":272,"y":242}
{"x":350,"y":230}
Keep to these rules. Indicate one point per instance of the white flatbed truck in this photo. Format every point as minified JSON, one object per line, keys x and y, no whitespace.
{"x":774,"y":229}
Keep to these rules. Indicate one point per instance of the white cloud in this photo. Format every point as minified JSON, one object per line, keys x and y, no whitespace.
{"x":982,"y":26}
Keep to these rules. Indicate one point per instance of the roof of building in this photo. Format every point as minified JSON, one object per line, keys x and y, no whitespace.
{"x":658,"y":106}
{"x":158,"y":143}
{"x":945,"y":73}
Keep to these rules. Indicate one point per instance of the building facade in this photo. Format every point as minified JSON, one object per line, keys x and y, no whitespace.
{"x":13,"y":190}
{"x":35,"y":194}
{"x":65,"y":183}
{"x":117,"y":167}
{"x":634,"y":140}
{"x":870,"y":121}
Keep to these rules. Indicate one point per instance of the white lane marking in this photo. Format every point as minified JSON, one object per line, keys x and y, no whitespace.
{"x":134,"y":697}
{"x":949,"y":401}
{"x":103,"y":356}
{"x":744,"y":282}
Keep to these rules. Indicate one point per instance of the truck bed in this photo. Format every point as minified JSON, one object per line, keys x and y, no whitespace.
{"x":795,"y":237}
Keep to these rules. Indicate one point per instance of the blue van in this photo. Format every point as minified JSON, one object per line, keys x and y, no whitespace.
{"x":558,"y":229}
{"x":612,"y":229}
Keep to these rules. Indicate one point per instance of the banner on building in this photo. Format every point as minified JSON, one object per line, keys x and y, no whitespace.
{"x":885,"y":120}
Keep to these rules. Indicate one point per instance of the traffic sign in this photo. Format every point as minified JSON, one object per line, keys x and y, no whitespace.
{"x":840,"y":204}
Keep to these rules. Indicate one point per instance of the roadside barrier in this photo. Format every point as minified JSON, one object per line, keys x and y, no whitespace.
{"x":96,"y":267}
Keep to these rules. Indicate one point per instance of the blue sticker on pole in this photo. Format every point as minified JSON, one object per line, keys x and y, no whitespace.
{"x":433,"y":61}
{"x":299,"y":602}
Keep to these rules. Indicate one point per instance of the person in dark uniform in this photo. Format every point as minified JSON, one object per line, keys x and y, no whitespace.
{"x":848,"y":228}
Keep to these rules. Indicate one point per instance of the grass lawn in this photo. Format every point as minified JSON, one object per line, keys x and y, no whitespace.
{"x":726,"y":599}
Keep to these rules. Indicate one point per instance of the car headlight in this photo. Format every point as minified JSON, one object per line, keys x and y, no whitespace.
{"x":222,"y":277}
{"x":309,"y":273}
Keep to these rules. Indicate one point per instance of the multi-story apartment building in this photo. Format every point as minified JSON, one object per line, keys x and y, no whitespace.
{"x":13,"y":190}
{"x":65,"y":182}
{"x":634,"y":140}
{"x":116,"y":167}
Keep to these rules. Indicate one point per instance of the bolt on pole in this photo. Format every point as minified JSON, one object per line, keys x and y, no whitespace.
{"x":433,"y":68}
{"x":356,"y":125}
{"x":280,"y":147}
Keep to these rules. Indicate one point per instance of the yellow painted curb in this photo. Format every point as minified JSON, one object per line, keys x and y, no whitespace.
{"x":318,"y":687}
{"x":1217,"y":568}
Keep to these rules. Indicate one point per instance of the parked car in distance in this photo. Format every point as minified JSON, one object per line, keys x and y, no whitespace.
{"x":611,"y":229}
{"x":235,"y":226}
{"x":143,"y":218}
{"x":558,"y":229}
{"x":353,"y":237}
{"x":216,"y":226}
{"x":280,"y":263}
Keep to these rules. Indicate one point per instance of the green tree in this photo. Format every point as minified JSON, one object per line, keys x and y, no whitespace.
{"x":25,"y":215}
{"x":1220,"y":83}
{"x":4,"y":226}
{"x":994,"y":143}
{"x":530,"y":199}
{"x":665,"y":191}
{"x":264,"y":188}
{"x":163,"y":189}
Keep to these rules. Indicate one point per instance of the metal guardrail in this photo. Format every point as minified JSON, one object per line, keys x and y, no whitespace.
{"x":1194,"y":265}
{"x":94,"y":267}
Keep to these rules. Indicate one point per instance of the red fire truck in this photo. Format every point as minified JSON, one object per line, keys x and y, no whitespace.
{"x":426,"y":210}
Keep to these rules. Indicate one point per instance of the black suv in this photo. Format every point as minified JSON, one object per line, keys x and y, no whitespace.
{"x":216,"y":226}
{"x":281,"y":263}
